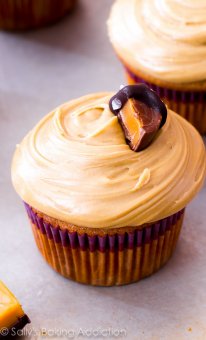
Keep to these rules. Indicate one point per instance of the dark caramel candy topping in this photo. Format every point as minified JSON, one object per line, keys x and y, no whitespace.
{"x":141,"y":114}
{"x":13,"y":329}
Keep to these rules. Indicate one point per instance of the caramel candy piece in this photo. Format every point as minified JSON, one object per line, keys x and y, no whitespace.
{"x":12,"y":316}
{"x":141,"y":114}
{"x":140,"y":124}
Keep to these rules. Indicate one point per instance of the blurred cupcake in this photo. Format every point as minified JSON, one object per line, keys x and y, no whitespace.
{"x":26,"y":14}
{"x":163,"y":44}
{"x":105,"y":179}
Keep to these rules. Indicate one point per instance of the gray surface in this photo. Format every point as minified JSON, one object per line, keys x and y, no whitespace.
{"x":38,"y":71}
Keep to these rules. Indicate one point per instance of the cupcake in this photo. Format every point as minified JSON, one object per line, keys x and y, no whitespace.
{"x":163,"y":44}
{"x":105,"y":180}
{"x":26,"y":14}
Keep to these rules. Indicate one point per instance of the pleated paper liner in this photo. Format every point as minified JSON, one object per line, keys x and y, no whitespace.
{"x":189,"y":104}
{"x":111,"y":259}
{"x":28,"y":14}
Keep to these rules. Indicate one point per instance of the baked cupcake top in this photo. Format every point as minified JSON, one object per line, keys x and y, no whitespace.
{"x":76,"y":166}
{"x":165,"y":39}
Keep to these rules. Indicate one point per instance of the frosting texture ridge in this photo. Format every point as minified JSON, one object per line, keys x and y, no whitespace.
{"x":76,"y":166}
{"x":163,"y":38}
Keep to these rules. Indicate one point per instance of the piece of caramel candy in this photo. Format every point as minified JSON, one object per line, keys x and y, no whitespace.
{"x":141,"y":114}
{"x":12,"y":316}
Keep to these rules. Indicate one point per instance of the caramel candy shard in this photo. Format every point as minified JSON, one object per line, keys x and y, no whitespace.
{"x":141,"y":114}
{"x":140,"y":124}
{"x":12,"y":315}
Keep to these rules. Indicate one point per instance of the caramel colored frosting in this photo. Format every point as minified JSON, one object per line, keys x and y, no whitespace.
{"x":165,"y":39}
{"x":75,"y":166}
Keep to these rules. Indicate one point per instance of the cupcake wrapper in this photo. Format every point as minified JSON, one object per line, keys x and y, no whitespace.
{"x":189,"y":104}
{"x":111,"y":259}
{"x":26,"y":14}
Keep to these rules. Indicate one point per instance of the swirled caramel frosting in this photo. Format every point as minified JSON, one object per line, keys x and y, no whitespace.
{"x":165,"y":39}
{"x":76,"y":166}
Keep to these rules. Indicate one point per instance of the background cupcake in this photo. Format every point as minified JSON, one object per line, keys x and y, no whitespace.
{"x":25,"y":14}
{"x":102,"y":213}
{"x":162,"y":43}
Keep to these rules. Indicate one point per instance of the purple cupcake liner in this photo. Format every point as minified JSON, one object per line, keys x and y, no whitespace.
{"x":126,"y":240}
{"x":170,"y":94}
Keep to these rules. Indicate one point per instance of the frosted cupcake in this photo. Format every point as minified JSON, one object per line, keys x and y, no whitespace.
{"x":163,"y":43}
{"x":27,"y":14}
{"x":105,"y":179}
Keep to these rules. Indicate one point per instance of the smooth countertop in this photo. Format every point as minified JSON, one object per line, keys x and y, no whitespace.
{"x":38,"y":71}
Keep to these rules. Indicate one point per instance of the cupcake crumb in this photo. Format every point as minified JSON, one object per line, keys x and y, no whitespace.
{"x":189,"y":329}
